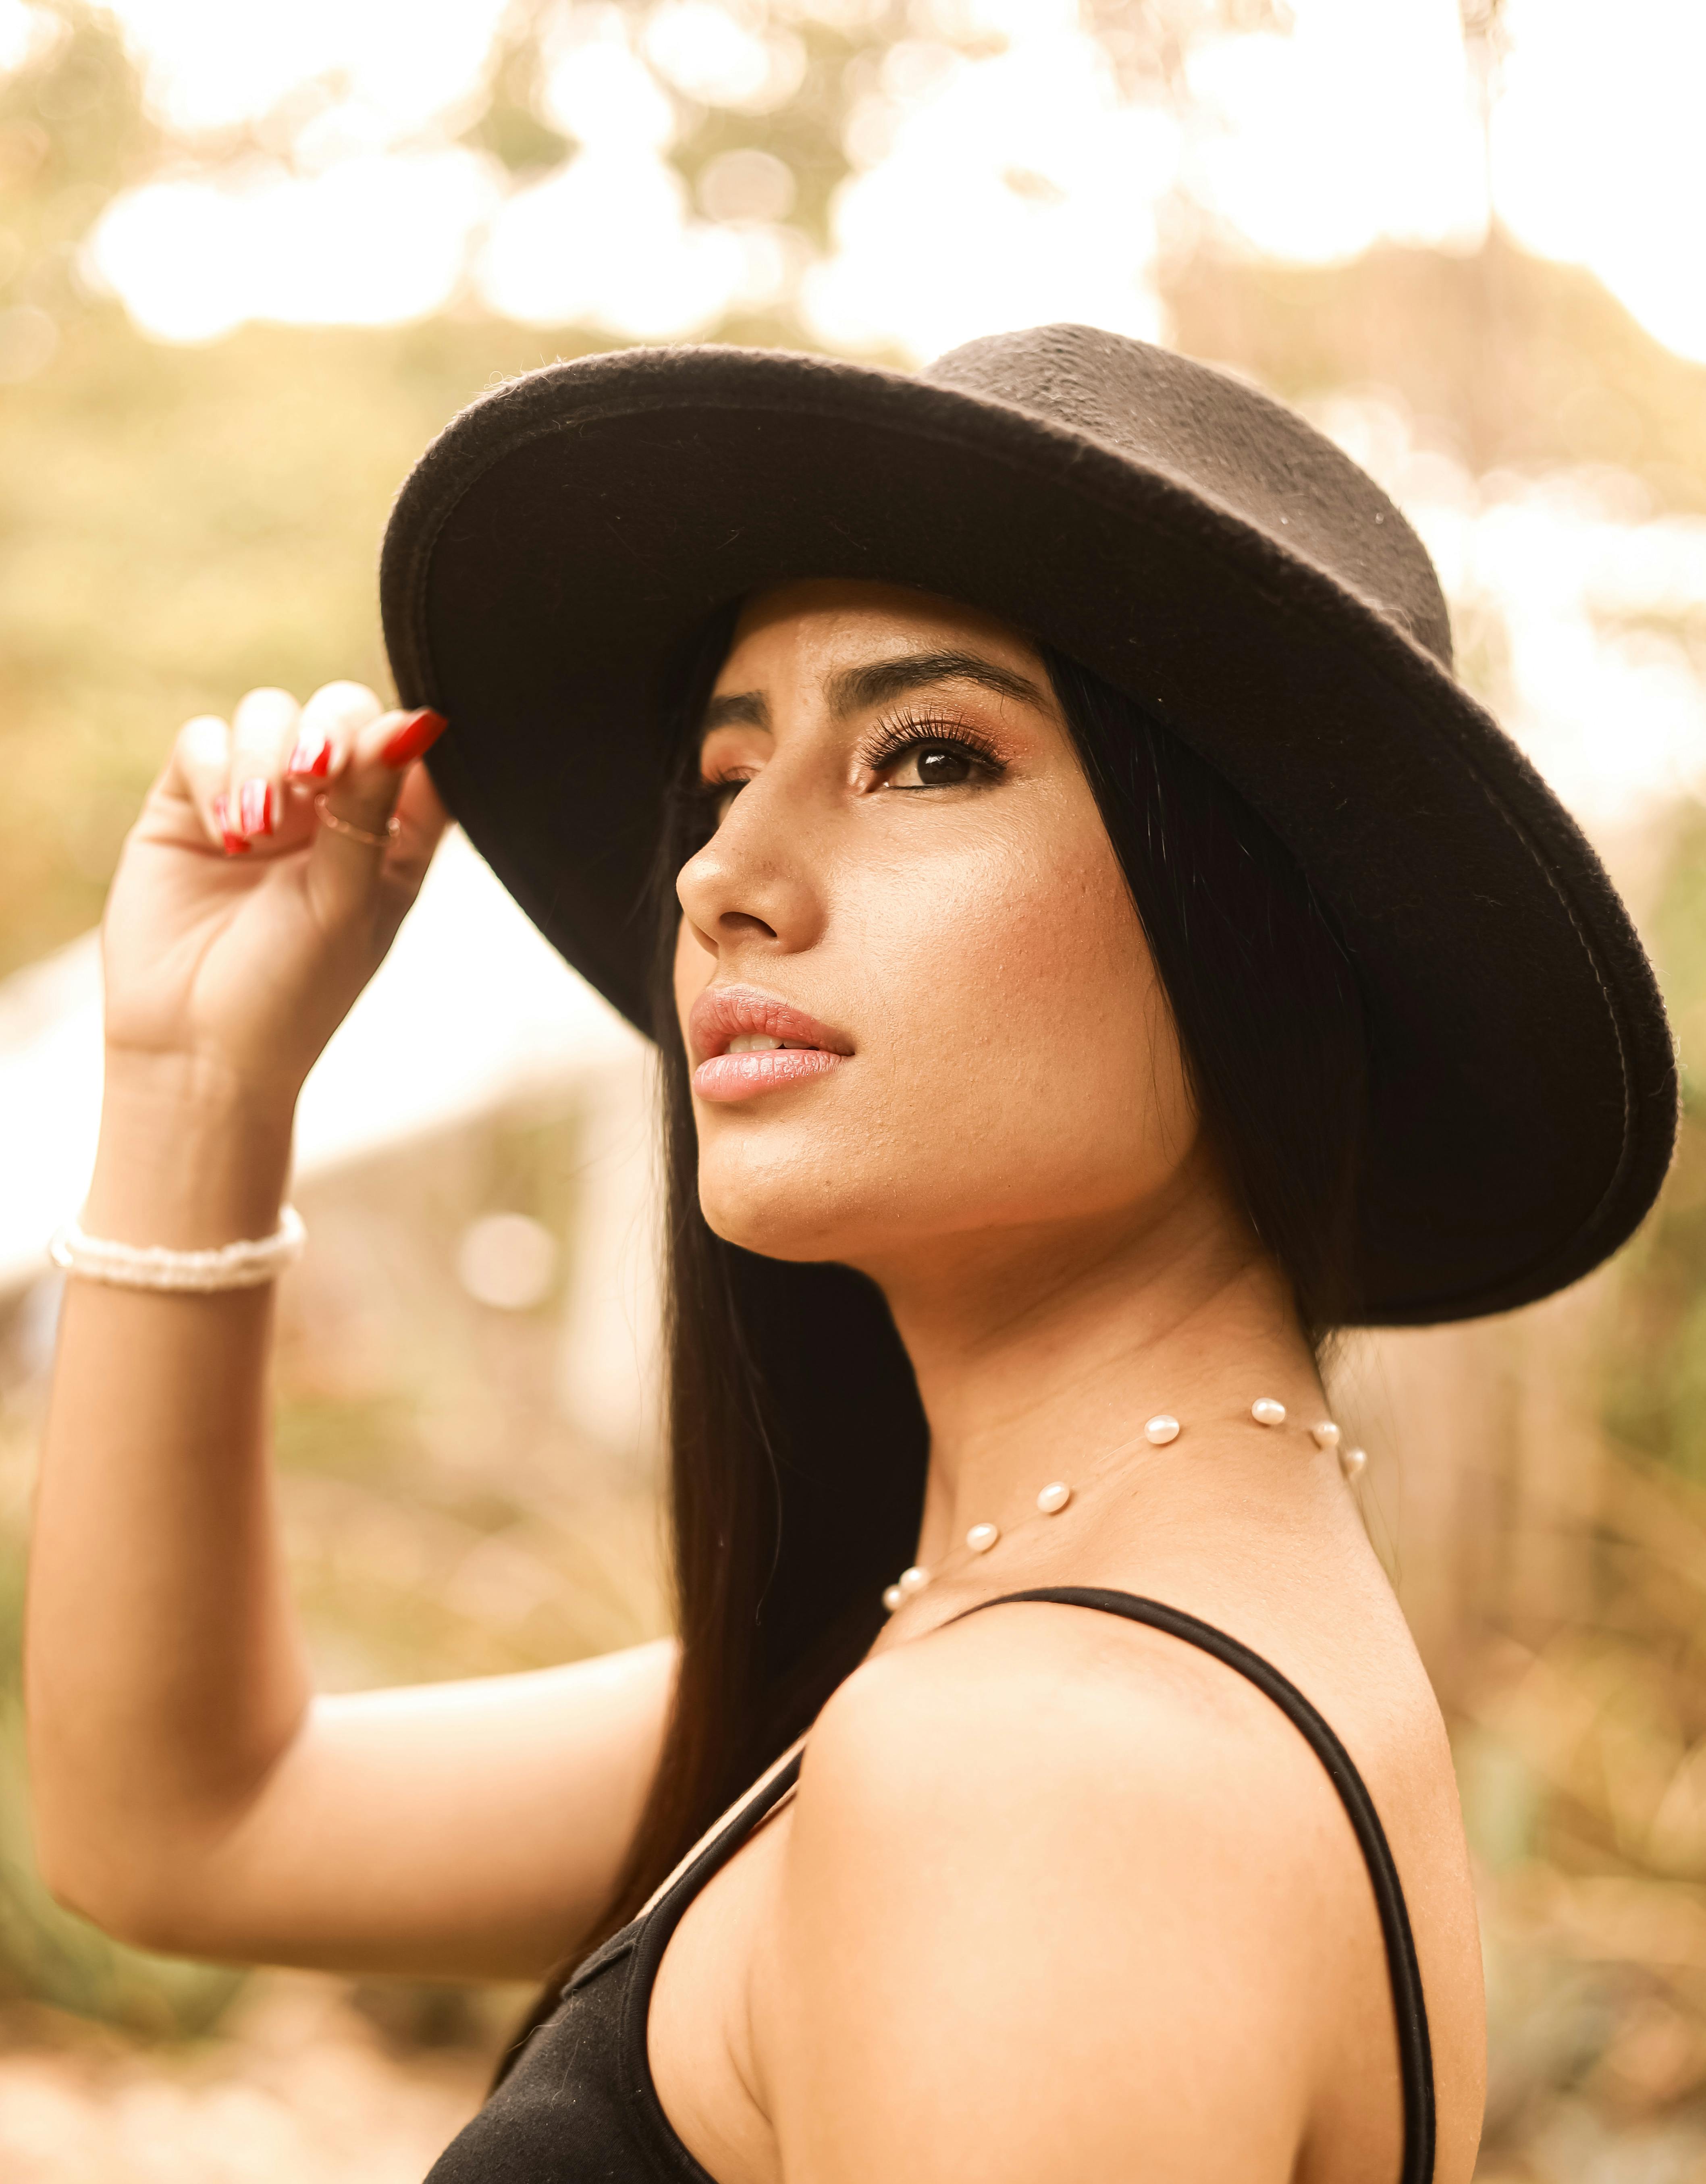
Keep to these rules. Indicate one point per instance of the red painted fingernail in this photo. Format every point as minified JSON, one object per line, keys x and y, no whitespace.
{"x":311,"y":760}
{"x":234,"y":844}
{"x":254,"y":807}
{"x":418,"y":733}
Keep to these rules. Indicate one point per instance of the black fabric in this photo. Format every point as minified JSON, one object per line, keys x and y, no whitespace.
{"x":580,"y":2103}
{"x":1198,"y":546}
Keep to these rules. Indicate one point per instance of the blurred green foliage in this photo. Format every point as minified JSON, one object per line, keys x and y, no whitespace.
{"x":1656,"y":1392}
{"x":177,"y":525}
{"x":72,"y":131}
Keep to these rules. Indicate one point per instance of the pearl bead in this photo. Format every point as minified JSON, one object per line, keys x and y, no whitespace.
{"x":892,"y":1597}
{"x":1160,"y":1430}
{"x":1268,"y":1412}
{"x":1351,"y":1461}
{"x":1054,"y":1498}
{"x":914,"y":1579}
{"x":1324,"y":1435}
{"x":981,"y":1537}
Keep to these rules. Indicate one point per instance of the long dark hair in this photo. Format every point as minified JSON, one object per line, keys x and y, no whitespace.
{"x":798,"y":1440}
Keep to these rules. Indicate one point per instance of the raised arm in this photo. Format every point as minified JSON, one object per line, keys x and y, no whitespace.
{"x":190,"y":1792}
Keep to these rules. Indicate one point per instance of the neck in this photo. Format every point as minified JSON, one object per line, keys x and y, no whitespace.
{"x":1040,"y":1355}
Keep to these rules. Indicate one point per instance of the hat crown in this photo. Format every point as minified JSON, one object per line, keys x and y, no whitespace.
{"x":1224,"y":439}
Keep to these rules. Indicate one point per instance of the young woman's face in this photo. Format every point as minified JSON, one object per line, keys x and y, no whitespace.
{"x":918,"y":1003}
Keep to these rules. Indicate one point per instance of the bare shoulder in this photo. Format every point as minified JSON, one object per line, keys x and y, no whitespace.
{"x":1038,"y":1851}
{"x":1099,"y":1727}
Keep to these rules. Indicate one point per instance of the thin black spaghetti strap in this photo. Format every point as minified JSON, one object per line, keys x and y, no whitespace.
{"x":667,"y":1912}
{"x":1415,"y":2056}
{"x":653,"y":1931}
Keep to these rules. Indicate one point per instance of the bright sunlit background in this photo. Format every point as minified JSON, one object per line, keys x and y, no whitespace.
{"x":252,"y":258}
{"x":1008,"y":161}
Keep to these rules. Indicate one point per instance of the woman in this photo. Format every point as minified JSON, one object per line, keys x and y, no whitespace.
{"x":1099,"y":952}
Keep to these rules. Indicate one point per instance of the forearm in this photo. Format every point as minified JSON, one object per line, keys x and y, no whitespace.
{"x":164,"y":1675}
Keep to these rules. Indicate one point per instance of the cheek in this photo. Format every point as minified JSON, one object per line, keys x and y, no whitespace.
{"x":1034,"y":1063}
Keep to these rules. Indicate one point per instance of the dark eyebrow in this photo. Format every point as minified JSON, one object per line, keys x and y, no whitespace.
{"x":879,"y":680}
{"x":855,"y":688}
{"x":738,"y":709}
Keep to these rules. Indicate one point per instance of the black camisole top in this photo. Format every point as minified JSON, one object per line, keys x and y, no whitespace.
{"x":579,"y":2107}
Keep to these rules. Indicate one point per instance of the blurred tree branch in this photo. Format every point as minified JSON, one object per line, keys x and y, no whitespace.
{"x":73,"y":131}
{"x":1149,"y":44}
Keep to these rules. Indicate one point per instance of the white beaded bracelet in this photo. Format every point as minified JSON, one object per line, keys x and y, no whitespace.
{"x":243,"y":1266}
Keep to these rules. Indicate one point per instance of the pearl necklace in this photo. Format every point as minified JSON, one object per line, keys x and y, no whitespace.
{"x":1266,"y":1409}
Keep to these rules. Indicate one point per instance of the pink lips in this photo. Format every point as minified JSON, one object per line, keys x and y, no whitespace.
{"x":722,"y":1014}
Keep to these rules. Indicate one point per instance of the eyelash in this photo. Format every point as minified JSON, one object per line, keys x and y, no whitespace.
{"x":887,"y":745}
{"x":898,"y":738}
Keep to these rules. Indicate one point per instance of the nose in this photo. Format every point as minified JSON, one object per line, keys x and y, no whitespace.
{"x":755,"y":886}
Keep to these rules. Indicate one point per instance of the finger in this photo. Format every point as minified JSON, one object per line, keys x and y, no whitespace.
{"x":326,"y":728}
{"x":199,"y":771}
{"x":422,"y":820}
{"x":356,"y":810}
{"x":395,"y":740}
{"x":383,"y":751}
{"x":261,"y":731}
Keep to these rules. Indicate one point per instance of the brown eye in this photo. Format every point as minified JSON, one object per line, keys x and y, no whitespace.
{"x":915,"y":754}
{"x":934,"y":766}
{"x":939,"y":766}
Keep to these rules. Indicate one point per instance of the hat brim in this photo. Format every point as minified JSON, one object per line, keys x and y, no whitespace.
{"x":565,"y":536}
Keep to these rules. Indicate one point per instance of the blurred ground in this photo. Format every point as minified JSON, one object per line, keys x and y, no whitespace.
{"x":300,"y":2083}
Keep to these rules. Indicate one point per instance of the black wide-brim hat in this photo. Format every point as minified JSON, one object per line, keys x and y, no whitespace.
{"x":1192,"y":541}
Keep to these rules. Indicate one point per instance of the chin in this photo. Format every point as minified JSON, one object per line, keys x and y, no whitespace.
{"x":791,"y":1216}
